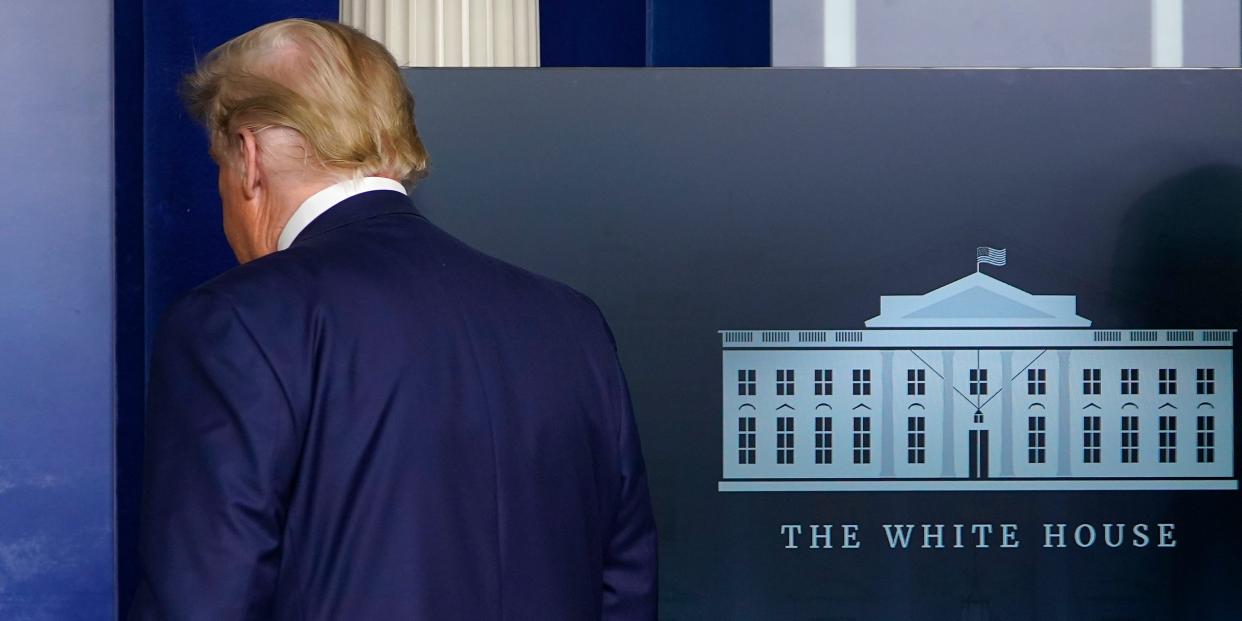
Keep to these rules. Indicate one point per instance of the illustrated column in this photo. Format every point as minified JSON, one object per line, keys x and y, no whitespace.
{"x":1007,"y":414}
{"x":888,"y":433}
{"x":1063,"y":413}
{"x":948,"y":468}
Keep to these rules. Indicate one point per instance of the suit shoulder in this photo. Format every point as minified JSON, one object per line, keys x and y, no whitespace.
{"x":195,"y":322}
{"x":505,"y":283}
{"x":277,"y":276}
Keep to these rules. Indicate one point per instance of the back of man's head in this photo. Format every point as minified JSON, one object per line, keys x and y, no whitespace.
{"x":339,"y":90}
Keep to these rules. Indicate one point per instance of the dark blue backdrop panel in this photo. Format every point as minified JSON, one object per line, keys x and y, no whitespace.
{"x":667,"y":33}
{"x":593,"y":33}
{"x":690,"y":201}
{"x":56,"y":293}
{"x":168,"y":210}
{"x":130,"y":284}
{"x":710,"y":33}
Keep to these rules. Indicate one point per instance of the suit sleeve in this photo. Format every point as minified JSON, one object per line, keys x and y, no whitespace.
{"x":221,"y":447}
{"x":630,"y":563}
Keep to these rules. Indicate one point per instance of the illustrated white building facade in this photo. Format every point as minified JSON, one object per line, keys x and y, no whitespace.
{"x":977,"y":385}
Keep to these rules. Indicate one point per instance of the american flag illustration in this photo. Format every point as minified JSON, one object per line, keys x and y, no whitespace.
{"x":991,"y":256}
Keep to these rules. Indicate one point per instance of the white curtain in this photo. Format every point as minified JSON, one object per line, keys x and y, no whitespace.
{"x":451,"y":33}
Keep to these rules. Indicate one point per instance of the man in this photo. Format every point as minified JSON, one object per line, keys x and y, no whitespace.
{"x":368,"y":419}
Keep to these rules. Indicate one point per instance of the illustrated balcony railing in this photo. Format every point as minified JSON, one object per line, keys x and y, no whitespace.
{"x":949,"y":338}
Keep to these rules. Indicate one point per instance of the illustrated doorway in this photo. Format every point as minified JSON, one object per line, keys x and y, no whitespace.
{"x":978,"y":453}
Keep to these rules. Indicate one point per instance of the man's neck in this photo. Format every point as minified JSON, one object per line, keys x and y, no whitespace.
{"x":317,"y":202}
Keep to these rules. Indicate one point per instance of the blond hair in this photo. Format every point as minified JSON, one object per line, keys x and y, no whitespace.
{"x":336,"y":87}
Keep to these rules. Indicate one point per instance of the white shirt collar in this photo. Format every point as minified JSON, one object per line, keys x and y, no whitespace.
{"x":325,"y":199}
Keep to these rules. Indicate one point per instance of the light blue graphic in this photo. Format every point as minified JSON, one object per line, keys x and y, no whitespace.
{"x":977,"y":385}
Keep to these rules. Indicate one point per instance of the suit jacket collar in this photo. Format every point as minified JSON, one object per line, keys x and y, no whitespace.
{"x":356,"y":208}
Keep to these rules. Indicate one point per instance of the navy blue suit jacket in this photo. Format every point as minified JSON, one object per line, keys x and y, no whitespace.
{"x":383,"y":423}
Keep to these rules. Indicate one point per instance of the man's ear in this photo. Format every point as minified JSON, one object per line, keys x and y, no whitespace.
{"x":249,"y":159}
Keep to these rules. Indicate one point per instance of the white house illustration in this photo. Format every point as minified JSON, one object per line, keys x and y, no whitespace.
{"x":977,"y":385}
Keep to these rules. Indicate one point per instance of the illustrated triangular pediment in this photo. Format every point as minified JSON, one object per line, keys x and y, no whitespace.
{"x":977,"y":301}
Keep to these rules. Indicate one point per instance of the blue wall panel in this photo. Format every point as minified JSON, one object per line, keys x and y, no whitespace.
{"x":661,"y":33}
{"x":593,"y":33}
{"x":710,"y":33}
{"x":56,"y":373}
{"x":130,"y":282}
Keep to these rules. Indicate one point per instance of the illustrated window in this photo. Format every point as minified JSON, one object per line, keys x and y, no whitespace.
{"x":1037,"y":381}
{"x":784,"y":440}
{"x":916,"y":382}
{"x":1205,"y":439}
{"x":1036,"y":439}
{"x":978,"y":381}
{"x":1129,"y":381}
{"x":862,"y":381}
{"x":823,"y":440}
{"x":1168,"y":381}
{"x":785,"y":382}
{"x":1205,"y":381}
{"x":746,"y":382}
{"x":746,"y":440}
{"x":862,"y":439}
{"x":916,"y":439}
{"x":1091,"y":439}
{"x":1090,"y":381}
{"x":1168,"y":440}
{"x":823,"y":382}
{"x":1129,"y":439}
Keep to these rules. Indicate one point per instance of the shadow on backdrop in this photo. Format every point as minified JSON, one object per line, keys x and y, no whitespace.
{"x":1178,"y":263}
{"x":1178,"y":260}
